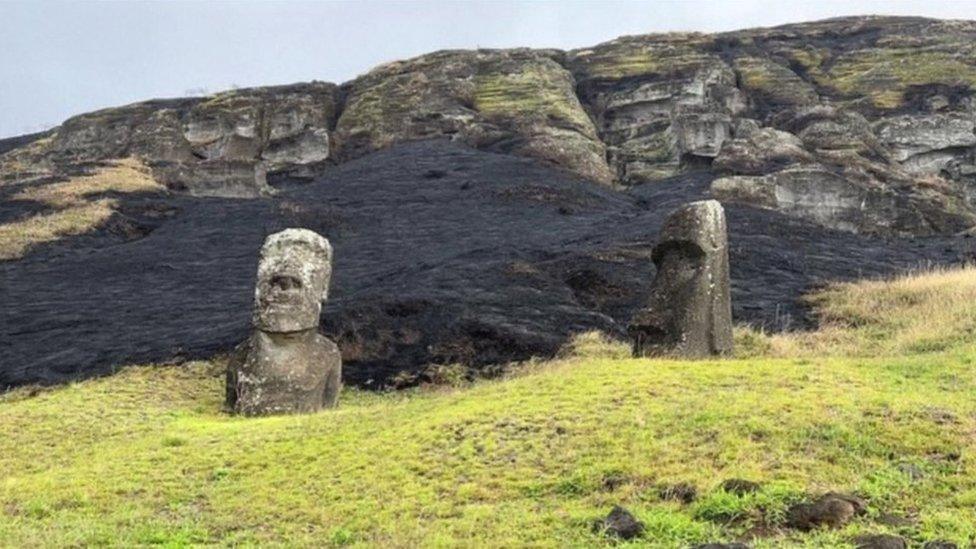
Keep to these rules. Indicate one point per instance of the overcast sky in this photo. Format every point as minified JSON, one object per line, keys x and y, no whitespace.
{"x":58,"y":59}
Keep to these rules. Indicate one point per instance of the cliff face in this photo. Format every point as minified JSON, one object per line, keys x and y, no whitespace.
{"x":864,"y":124}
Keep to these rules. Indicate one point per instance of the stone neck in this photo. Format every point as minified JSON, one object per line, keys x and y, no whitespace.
{"x":285,"y":338}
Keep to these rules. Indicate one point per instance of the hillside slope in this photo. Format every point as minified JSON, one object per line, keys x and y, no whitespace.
{"x":147,"y":456}
{"x":442,"y":254}
{"x":486,"y":205}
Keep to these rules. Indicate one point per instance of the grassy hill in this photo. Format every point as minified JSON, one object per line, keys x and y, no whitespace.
{"x":879,"y":402}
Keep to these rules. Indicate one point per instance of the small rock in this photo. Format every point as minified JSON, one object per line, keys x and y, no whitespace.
{"x":940,"y":544}
{"x":880,"y":541}
{"x":622,"y":524}
{"x":830,"y":510}
{"x":682,"y":491}
{"x":739,"y":487}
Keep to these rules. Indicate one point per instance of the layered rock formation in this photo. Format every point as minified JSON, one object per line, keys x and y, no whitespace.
{"x":216,"y":146}
{"x":517,"y":101}
{"x":866,"y":114}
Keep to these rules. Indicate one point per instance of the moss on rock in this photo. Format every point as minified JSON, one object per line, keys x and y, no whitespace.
{"x":517,"y":101}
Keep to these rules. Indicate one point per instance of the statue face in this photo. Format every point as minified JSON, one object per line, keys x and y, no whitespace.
{"x":293,"y":281}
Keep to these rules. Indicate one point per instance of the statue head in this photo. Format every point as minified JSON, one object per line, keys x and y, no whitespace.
{"x":293,"y":281}
{"x":688,"y":311}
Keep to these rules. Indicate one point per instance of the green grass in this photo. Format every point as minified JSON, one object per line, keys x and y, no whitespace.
{"x":883,"y":74}
{"x":147,"y":456}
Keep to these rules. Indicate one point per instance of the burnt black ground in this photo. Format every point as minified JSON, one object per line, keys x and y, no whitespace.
{"x":442,"y":254}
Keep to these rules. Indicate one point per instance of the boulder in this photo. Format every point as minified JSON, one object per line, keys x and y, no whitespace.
{"x":825,"y":128}
{"x":829,"y":511}
{"x":739,"y":487}
{"x":286,"y":366}
{"x":221,"y":178}
{"x":929,"y":144}
{"x":940,"y":544}
{"x":689,"y":309}
{"x":622,"y":524}
{"x":682,"y":492}
{"x":758,"y":151}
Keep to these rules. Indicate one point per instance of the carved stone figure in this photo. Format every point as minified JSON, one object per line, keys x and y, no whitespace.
{"x":689,"y":312}
{"x":286,"y":366}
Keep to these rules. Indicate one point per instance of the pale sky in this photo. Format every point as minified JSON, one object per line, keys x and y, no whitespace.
{"x":58,"y":59}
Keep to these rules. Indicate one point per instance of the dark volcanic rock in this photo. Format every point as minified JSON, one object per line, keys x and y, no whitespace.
{"x":830,"y":510}
{"x":498,"y":259}
{"x":683,"y":492}
{"x":622,"y":524}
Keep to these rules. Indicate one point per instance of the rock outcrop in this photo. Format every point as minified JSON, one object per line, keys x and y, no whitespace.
{"x":661,"y":103}
{"x":514,"y":101}
{"x":828,"y":511}
{"x":221,"y":145}
{"x":883,"y":103}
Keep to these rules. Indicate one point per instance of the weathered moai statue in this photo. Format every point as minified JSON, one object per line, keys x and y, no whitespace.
{"x":286,"y":366}
{"x":689,"y":312}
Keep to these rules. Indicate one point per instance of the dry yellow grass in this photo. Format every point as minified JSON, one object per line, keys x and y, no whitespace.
{"x":76,"y":214}
{"x":918,"y":312}
{"x":17,"y":237}
{"x":25,"y":162}
{"x":128,"y":175}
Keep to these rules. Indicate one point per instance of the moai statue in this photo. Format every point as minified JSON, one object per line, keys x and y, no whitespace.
{"x":689,"y":313}
{"x":286,"y":366}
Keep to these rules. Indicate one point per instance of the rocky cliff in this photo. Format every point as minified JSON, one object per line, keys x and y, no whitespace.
{"x":863,"y":124}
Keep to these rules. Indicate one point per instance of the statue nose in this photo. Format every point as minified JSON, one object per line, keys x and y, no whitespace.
{"x":286,"y":283}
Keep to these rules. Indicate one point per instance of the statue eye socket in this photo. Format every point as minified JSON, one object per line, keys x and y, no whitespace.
{"x":284,"y":282}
